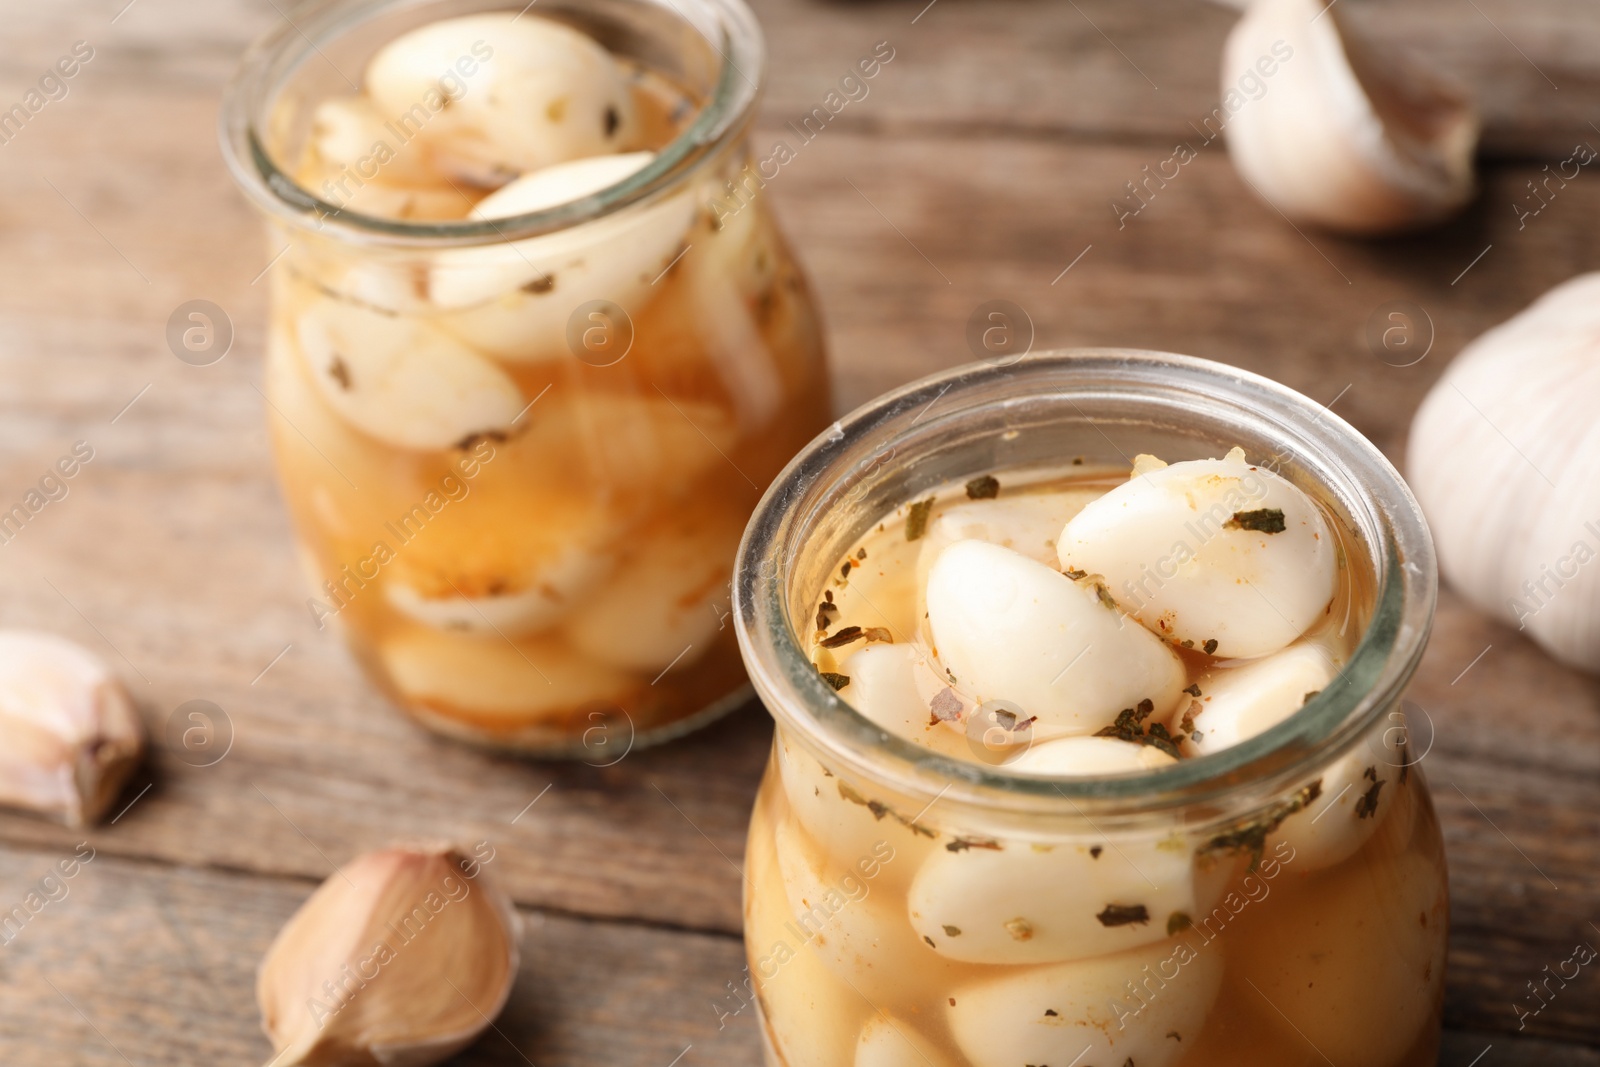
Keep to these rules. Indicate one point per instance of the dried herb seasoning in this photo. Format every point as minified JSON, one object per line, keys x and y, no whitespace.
{"x":952,"y":931}
{"x":539,"y":286}
{"x":844,"y":571}
{"x":838,"y":681}
{"x":861,"y":553}
{"x":1124,"y":915}
{"x":1178,"y":922}
{"x":1193,"y":689}
{"x":880,"y":809}
{"x":962,"y":844}
{"x":1262,"y":520}
{"x":1129,"y":726}
{"x":843,"y":637}
{"x":1252,"y":837}
{"x":983,"y":487}
{"x":1075,"y":574}
{"x":1210,"y":647}
{"x":917,"y":519}
{"x":1095,"y":850}
{"x":1367,"y":803}
{"x":1309,"y":697}
{"x":339,"y":371}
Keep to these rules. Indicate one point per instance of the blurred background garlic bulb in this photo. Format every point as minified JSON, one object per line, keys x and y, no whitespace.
{"x":1339,"y":132}
{"x":1505,"y":459}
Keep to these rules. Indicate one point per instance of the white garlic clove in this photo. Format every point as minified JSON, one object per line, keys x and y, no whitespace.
{"x":542,"y":599}
{"x":417,"y":203}
{"x":1242,"y":698}
{"x":634,"y":444}
{"x":670,"y":597}
{"x":1009,"y":628}
{"x":852,"y":821}
{"x":1514,"y":411}
{"x":1354,"y":798}
{"x":810,"y":1017}
{"x":69,"y":735}
{"x":402,"y":957}
{"x":887,"y":1041}
{"x":884,"y":687}
{"x":1018,"y":903}
{"x":1213,"y":554}
{"x":402,"y":381}
{"x":1024,"y":522}
{"x":841,"y":911}
{"x":493,"y":685}
{"x":1374,"y":953}
{"x":516,"y":301}
{"x":1340,"y":134}
{"x":1108,"y":1010}
{"x":1089,"y":757}
{"x":495,"y":95}
{"x":349,"y":133}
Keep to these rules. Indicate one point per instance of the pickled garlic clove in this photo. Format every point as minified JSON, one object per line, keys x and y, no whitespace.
{"x":811,"y":1018}
{"x":850,"y":818}
{"x":1217,"y":555}
{"x":890,"y":1042}
{"x":517,"y":301}
{"x":1009,"y":628}
{"x":495,"y":95}
{"x":1028,"y":523}
{"x":1242,"y":698}
{"x":1374,"y":952}
{"x":69,"y":735}
{"x":493,"y":685}
{"x":883,"y":687}
{"x":1012,"y":902}
{"x":418,"y":203}
{"x":635,"y":444}
{"x":1087,"y":1012}
{"x":669,"y":597}
{"x":1088,"y":757}
{"x":402,"y":381}
{"x":538,"y":604}
{"x":1357,"y":795}
{"x":842,"y":912}
{"x":347,"y":132}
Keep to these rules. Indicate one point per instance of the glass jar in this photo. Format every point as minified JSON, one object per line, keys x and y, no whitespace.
{"x":520,"y":449}
{"x":1280,"y":901}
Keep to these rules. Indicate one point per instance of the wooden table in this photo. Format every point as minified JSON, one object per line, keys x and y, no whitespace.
{"x":983,"y":163}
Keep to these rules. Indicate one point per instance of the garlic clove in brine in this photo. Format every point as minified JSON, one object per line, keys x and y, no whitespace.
{"x":1342,"y":134}
{"x":1504,"y":458}
{"x":69,"y":736}
{"x":403,"y":957}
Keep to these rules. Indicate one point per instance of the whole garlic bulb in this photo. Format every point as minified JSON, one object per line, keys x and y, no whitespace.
{"x":1338,"y":135}
{"x":69,"y":736}
{"x":1505,"y":460}
{"x":402,"y":958}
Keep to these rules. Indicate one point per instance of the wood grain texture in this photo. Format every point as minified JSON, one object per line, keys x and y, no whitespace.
{"x":987,"y":158}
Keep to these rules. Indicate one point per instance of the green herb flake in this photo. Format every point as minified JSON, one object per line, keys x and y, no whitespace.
{"x":1367,"y":803}
{"x":1124,"y":915}
{"x":917,"y":519}
{"x":1193,"y":689}
{"x":1309,"y":697}
{"x":1210,"y":647}
{"x":1178,"y":922}
{"x":985,"y":487}
{"x":1262,"y":520}
{"x":1252,"y":837}
{"x":1075,"y":574}
{"x":838,"y":681}
{"x":952,"y":931}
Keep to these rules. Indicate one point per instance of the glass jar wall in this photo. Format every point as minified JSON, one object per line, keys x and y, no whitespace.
{"x":528,"y":367}
{"x":1282,"y":900}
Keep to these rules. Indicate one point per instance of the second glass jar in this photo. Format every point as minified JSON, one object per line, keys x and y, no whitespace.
{"x":519,"y":452}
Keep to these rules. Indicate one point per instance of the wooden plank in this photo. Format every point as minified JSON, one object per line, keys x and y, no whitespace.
{"x":140,"y":964}
{"x":144,"y":964}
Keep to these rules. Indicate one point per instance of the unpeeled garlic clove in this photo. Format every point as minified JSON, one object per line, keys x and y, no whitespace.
{"x":1342,"y":136}
{"x":402,"y":958}
{"x":69,"y":736}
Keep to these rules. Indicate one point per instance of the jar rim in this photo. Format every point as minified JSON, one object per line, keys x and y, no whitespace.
{"x":728,"y":26}
{"x":1386,"y":656}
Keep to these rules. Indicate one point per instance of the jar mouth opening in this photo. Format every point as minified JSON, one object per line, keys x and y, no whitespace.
{"x":1148,"y":394}
{"x":727,"y":28}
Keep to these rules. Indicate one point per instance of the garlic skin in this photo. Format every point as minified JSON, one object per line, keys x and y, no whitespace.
{"x":1515,"y":410}
{"x":1342,"y":136}
{"x":524,"y":93}
{"x":401,"y":958}
{"x":1214,"y":554}
{"x":1010,"y":628}
{"x":69,"y":735}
